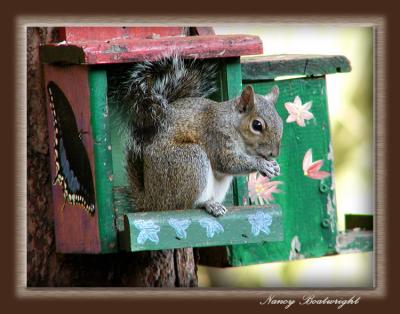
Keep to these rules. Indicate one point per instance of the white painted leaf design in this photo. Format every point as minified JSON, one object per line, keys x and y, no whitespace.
{"x":212,"y":226}
{"x":180,"y":226}
{"x":148,"y":231}
{"x":260,"y":222}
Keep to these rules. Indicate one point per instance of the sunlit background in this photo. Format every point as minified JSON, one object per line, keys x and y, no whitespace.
{"x":350,"y":98}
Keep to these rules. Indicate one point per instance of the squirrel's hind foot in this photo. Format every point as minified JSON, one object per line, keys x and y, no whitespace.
{"x":214,"y":208}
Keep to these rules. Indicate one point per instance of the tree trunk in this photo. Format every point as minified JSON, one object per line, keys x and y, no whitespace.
{"x":168,"y":268}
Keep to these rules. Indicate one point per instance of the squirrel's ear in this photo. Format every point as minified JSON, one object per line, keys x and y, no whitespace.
{"x":273,"y":94}
{"x":246,"y":100}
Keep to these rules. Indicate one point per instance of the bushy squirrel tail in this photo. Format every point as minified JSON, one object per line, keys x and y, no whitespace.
{"x":139,"y":94}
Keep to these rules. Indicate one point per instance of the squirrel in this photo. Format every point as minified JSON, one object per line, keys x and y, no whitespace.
{"x":183,"y":149}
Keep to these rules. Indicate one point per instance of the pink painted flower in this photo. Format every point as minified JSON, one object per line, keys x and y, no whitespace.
{"x":311,"y":169}
{"x":260,"y":188}
{"x":298,"y":112}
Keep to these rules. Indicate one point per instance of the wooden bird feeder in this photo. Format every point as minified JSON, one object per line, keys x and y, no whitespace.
{"x":91,"y":209}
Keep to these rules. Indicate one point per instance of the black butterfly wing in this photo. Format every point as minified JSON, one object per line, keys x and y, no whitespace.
{"x":72,"y":161}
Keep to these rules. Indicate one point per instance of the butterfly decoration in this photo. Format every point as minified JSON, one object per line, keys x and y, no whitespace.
{"x":73,"y":171}
{"x":312,"y":169}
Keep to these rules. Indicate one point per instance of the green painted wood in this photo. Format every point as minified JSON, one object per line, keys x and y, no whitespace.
{"x":121,"y":191}
{"x":122,"y":205}
{"x":355,"y":242}
{"x":196,"y":228}
{"x":103,"y":159}
{"x":118,"y":153}
{"x":308,"y":205}
{"x":270,"y":67}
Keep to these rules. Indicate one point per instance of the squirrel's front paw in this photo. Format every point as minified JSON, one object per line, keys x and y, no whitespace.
{"x":214,"y":208}
{"x":269,"y":168}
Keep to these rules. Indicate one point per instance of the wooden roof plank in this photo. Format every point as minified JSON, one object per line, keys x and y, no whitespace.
{"x":270,"y":67}
{"x":210,"y":46}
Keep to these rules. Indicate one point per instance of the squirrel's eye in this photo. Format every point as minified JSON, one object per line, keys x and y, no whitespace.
{"x":256,"y":125}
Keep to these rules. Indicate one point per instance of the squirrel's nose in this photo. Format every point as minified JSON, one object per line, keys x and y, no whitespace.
{"x":275,"y":152}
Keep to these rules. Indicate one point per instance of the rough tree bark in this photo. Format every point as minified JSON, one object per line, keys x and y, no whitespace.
{"x":169,"y":268}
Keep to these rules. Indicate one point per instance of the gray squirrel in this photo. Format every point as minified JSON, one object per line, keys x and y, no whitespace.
{"x":182,"y":148}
